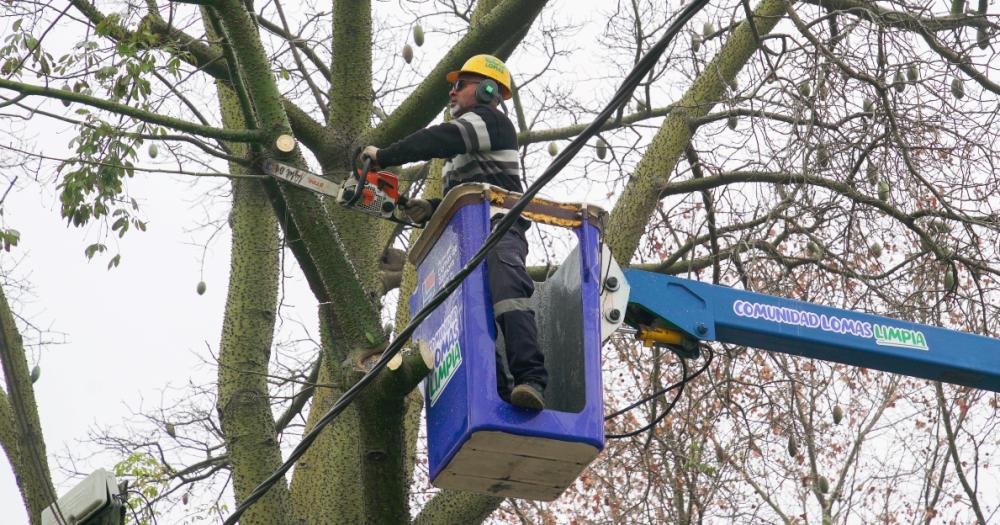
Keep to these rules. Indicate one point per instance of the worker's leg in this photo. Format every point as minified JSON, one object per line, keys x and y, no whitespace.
{"x":510,"y":288}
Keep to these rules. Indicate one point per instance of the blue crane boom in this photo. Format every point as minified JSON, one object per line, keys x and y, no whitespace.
{"x":706,"y":312}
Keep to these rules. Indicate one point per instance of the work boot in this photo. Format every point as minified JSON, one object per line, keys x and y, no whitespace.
{"x":527,"y":395}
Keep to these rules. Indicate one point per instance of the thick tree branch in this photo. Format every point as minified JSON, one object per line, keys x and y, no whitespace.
{"x":900,"y":19}
{"x":232,"y":135}
{"x":426,"y":101}
{"x":452,"y":506}
{"x":958,"y":61}
{"x":203,"y":57}
{"x":641,"y":195}
{"x":243,"y":402}
{"x":27,"y":452}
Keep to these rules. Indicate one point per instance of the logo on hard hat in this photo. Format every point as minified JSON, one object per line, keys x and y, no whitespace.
{"x":495,"y":64}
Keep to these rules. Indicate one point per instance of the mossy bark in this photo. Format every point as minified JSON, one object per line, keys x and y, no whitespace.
{"x":312,"y":236}
{"x":20,"y":427}
{"x":489,"y":32}
{"x":453,"y":506}
{"x":243,"y":403}
{"x":642,"y":193}
{"x":325,"y":487}
{"x":358,"y":471}
{"x":350,"y":111}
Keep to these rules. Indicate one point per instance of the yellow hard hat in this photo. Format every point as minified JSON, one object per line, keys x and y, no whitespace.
{"x":488,"y":66}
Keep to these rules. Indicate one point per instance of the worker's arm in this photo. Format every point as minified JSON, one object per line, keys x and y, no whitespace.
{"x":435,"y":142}
{"x":478,"y":129}
{"x":481,"y":129}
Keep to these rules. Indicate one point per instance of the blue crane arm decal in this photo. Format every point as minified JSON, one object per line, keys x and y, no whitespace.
{"x":705,"y":312}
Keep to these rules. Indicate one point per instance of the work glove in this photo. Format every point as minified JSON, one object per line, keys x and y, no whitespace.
{"x":370,"y":152}
{"x":418,"y":210}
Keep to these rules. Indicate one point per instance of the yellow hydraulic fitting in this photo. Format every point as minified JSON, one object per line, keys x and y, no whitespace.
{"x":649,"y":336}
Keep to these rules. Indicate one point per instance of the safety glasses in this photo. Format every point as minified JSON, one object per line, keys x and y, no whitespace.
{"x":461,"y":83}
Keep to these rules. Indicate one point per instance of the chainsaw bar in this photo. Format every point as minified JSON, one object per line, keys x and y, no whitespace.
{"x":301,"y":178}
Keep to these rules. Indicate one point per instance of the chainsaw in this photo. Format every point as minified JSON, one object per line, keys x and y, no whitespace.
{"x":370,"y":192}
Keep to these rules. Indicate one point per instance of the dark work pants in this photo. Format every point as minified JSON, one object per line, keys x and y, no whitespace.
{"x":511,"y":288}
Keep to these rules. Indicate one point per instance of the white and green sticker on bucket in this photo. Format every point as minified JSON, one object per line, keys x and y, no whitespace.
{"x":447,"y":354}
{"x":444,"y":370}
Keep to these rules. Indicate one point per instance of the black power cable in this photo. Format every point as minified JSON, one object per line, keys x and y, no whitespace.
{"x":685,"y":379}
{"x":620,"y":98}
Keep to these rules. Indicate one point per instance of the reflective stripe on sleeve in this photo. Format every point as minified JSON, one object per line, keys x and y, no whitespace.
{"x":517,"y":304}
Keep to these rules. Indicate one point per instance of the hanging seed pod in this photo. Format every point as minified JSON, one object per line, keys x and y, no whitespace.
{"x":36,"y":372}
{"x":171,"y":431}
{"x":707,"y":29}
{"x":982,"y":38}
{"x":153,"y":151}
{"x":695,"y":43}
{"x":898,"y":82}
{"x":553,"y":149}
{"x":732,"y":121}
{"x":868,"y":105}
{"x":957,"y":7}
{"x":201,"y":288}
{"x":804,"y":89}
{"x":418,"y":35}
{"x":720,"y":454}
{"x":9,"y":66}
{"x":814,"y":250}
{"x":875,"y":250}
{"x":872,"y":172}
{"x":822,"y":156}
{"x":957,"y":88}
{"x":602,"y":148}
{"x":883,"y":191}
{"x":882,"y":61}
{"x":66,"y":103}
{"x":793,"y":447}
{"x":184,"y":498}
{"x":940,"y":226}
{"x":838,"y":415}
{"x":912,"y":74}
{"x":949,"y":280}
{"x":823,"y":484}
{"x":407,"y":53}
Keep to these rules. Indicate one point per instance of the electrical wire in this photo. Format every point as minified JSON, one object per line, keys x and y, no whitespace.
{"x":680,"y":391}
{"x":621,"y":97}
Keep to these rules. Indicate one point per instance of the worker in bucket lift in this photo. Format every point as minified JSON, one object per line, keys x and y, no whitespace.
{"x":481,"y":146}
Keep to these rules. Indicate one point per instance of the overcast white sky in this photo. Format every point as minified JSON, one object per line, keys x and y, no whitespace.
{"x":126,"y":329}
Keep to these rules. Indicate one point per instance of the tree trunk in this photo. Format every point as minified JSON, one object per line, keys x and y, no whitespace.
{"x":20,"y":427}
{"x":247,"y":333}
{"x":642,"y":193}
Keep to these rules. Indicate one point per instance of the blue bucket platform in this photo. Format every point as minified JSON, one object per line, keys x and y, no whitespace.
{"x":477,"y":441}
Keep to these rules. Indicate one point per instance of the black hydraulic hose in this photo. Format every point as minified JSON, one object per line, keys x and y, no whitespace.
{"x":685,"y":379}
{"x":620,"y":98}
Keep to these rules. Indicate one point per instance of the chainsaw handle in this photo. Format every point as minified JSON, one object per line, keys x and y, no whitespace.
{"x":360,"y":181}
{"x":365,"y":167}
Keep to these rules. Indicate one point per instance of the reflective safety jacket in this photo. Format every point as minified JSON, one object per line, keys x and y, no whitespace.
{"x":480,"y":145}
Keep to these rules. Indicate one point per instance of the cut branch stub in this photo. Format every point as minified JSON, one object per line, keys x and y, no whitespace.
{"x":285,"y":143}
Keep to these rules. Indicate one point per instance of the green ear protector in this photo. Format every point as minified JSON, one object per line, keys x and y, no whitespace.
{"x":487,"y":91}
